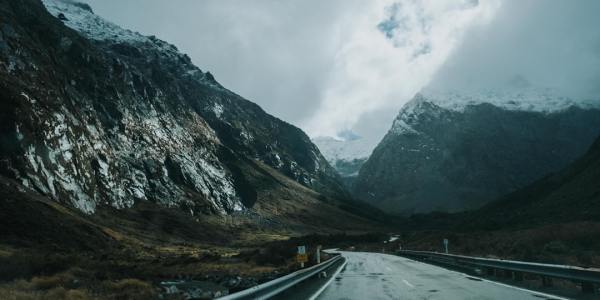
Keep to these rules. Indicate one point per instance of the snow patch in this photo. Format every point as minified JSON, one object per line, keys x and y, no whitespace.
{"x":335,"y":148}
{"x":400,"y":127}
{"x":91,"y":25}
{"x":544,"y":100}
{"x":217,"y":108}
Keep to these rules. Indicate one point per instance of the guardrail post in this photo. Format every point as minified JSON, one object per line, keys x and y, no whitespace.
{"x":587,"y":287}
{"x":547,"y":281}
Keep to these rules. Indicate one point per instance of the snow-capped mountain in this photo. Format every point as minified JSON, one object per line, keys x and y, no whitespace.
{"x":346,"y":153}
{"x":106,"y":116}
{"x":451,"y":151}
{"x":528,"y":98}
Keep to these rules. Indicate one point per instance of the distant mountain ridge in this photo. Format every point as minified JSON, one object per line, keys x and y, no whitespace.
{"x":520,"y":98}
{"x":338,"y":150}
{"x":450,"y":151}
{"x":345,"y":153}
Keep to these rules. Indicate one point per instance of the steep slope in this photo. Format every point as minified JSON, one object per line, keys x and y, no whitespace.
{"x":553,"y":220}
{"x":94,"y":115}
{"x":573,"y":194}
{"x":451,"y":152}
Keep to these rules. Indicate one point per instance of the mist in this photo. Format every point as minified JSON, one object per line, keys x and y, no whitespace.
{"x":548,"y":44}
{"x":334,"y":66}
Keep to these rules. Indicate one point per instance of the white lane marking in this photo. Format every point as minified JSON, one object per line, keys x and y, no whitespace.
{"x":408,"y":283}
{"x":322,"y":289}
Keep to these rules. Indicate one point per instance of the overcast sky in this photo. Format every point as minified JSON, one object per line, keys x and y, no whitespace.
{"x":328,"y":66}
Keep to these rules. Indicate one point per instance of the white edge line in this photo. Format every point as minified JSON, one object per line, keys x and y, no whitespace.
{"x":524,"y":289}
{"x":322,"y":289}
{"x":408,"y":283}
{"x":554,"y":297}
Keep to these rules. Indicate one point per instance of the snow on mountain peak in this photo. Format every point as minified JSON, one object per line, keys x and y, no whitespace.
{"x":544,"y":100}
{"x":347,"y":147}
{"x":80,"y":17}
{"x":521,"y":98}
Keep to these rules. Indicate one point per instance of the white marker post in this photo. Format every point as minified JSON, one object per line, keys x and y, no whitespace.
{"x":446,"y":245}
{"x":319,"y":254}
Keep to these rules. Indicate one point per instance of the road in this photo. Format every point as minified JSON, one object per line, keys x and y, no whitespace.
{"x":382,"y":276}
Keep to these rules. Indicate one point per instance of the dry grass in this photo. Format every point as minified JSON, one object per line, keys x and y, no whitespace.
{"x":24,"y":291}
{"x":76,"y":284}
{"x":130,"y":289}
{"x":46,"y":282}
{"x":5,"y":251}
{"x":54,"y":253}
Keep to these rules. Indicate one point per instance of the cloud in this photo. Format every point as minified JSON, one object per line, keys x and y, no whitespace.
{"x":389,"y":51}
{"x":275,"y":53}
{"x":329,"y":66}
{"x":552,"y":44}
{"x":322,"y":65}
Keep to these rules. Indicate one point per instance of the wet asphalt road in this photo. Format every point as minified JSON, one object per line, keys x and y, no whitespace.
{"x":382,"y":276}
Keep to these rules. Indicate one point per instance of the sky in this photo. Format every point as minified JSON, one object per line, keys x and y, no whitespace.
{"x":338,"y":65}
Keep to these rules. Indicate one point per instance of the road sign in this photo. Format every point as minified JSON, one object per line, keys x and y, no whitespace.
{"x":301,"y":249}
{"x":302,"y":258}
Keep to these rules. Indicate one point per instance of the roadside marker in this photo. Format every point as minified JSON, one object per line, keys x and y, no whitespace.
{"x":302,"y":257}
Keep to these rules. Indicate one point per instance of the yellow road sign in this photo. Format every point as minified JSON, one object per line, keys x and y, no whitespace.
{"x":302,"y":258}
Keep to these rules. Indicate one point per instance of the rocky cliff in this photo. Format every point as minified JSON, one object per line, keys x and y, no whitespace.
{"x":92,"y":114}
{"x":454,"y":151}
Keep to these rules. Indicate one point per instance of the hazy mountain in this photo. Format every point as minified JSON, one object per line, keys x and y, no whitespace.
{"x":346,"y":153}
{"x":451,"y":151}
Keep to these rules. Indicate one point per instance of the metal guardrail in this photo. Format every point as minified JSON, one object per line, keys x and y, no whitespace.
{"x":586,"y":276}
{"x":274,"y":287}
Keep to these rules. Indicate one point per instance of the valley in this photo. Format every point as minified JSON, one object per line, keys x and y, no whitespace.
{"x":127,"y":170}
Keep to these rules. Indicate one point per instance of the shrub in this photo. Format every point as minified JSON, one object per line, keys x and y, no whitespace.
{"x":131,"y":289}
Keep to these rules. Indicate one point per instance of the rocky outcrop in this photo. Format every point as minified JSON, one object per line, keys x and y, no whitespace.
{"x":92,"y":114}
{"x":454,"y":152}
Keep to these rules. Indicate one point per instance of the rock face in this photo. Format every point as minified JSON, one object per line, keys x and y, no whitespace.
{"x":452,"y":152}
{"x":92,"y":114}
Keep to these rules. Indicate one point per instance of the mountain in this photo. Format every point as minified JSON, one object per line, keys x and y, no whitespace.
{"x":94,"y":116}
{"x":569,"y":195}
{"x":553,"y":220}
{"x":345,"y":153}
{"x":451,"y":151}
